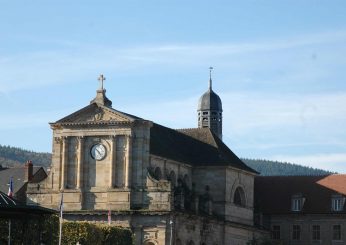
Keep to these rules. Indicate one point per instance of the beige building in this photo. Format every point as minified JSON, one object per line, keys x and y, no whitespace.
{"x":169,"y":186}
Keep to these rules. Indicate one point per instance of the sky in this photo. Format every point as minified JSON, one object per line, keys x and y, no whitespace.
{"x":279,"y":68}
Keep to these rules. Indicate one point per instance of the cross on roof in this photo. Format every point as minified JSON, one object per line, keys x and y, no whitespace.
{"x":101,"y":79}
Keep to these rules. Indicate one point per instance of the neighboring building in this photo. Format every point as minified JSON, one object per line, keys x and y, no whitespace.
{"x":20,"y":217}
{"x":21,"y":177}
{"x":169,"y":186}
{"x":302,"y":209}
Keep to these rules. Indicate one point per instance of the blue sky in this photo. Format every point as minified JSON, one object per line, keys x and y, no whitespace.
{"x":279,"y":68}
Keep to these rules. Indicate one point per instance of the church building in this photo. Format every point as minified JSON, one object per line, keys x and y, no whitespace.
{"x":169,"y":186}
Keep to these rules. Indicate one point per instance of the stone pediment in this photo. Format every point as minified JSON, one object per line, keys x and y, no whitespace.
{"x":95,"y":113}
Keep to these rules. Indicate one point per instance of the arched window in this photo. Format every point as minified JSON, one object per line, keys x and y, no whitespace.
{"x":239,"y":197}
{"x":157,"y":173}
{"x":191,"y":243}
{"x":186,"y":180}
{"x":178,"y":242}
{"x":172,"y":178}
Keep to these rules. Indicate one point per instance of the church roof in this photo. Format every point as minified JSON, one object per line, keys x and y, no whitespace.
{"x":198,"y":147}
{"x":273,"y":194}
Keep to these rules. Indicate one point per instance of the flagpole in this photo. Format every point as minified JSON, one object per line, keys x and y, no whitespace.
{"x":10,"y":194}
{"x":60,"y":218}
{"x":9,"y":232}
{"x":109,"y":217}
{"x":60,"y":230}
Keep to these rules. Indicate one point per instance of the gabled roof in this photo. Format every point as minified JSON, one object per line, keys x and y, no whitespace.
{"x":18,"y":174}
{"x":96,"y":113}
{"x":10,"y":207}
{"x":273,"y":194}
{"x":198,"y":147}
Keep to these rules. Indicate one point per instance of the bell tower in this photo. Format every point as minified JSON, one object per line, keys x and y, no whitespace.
{"x":210,"y":110}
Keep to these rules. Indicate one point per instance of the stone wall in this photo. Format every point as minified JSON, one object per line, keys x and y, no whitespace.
{"x":326,"y":223}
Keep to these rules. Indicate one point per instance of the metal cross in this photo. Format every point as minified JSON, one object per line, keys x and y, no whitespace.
{"x":101,"y":79}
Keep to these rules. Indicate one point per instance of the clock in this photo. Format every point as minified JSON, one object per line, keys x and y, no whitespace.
{"x":98,"y":152}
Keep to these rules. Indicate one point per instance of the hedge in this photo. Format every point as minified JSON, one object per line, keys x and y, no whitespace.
{"x":46,"y":231}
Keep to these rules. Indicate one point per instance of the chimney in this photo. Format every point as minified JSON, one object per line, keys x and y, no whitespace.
{"x":28,"y":171}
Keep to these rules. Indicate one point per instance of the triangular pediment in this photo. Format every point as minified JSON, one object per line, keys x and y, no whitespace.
{"x":94,"y":113}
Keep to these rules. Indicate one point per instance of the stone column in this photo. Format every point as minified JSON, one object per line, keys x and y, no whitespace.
{"x":128,"y":167}
{"x":112,"y":161}
{"x":79,"y":162}
{"x":64,"y":159}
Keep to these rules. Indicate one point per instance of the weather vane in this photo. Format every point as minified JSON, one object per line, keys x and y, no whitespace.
{"x":210,"y":70}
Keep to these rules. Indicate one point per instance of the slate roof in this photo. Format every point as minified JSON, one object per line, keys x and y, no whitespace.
{"x":11,"y":207}
{"x":198,"y":147}
{"x":273,"y":194}
{"x":210,"y":101}
{"x":18,"y":174}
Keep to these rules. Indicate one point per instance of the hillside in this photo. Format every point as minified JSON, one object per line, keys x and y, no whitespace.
{"x":13,"y":156}
{"x":274,"y":168}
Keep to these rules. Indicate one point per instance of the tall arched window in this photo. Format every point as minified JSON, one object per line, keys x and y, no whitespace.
{"x":157,"y":173}
{"x":172,"y":178}
{"x":239,"y":197}
{"x":186,"y":180}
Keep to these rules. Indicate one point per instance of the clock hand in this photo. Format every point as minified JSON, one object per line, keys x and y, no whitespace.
{"x":98,"y":152}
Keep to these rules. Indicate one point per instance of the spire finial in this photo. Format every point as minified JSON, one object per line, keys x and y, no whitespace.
{"x":101,"y":79}
{"x":210,"y":81}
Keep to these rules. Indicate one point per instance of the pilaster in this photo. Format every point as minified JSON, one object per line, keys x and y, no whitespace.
{"x":64,"y":160}
{"x":80,"y":161}
{"x":128,"y":167}
{"x":112,"y":161}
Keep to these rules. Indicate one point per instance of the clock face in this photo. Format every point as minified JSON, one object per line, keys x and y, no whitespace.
{"x":98,"y":151}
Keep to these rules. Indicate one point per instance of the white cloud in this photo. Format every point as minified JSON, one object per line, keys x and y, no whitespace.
{"x":71,"y":62}
{"x":250,"y":113}
{"x":247,"y":111}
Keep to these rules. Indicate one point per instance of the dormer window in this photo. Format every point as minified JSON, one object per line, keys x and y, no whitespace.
{"x":297,"y":203}
{"x":338,"y":202}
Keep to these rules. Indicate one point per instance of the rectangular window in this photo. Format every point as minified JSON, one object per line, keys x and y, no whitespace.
{"x":337,"y":232}
{"x":337,"y":204}
{"x":296,"y":232}
{"x":296,"y":204}
{"x":276,"y":232}
{"x":316,"y":233}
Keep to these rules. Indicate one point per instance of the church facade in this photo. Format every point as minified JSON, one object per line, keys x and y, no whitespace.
{"x":169,"y":186}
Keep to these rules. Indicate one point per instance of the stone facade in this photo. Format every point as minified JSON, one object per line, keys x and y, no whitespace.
{"x":104,"y":159}
{"x":313,"y":229}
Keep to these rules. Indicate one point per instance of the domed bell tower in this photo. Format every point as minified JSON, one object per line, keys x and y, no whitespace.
{"x":210,"y":110}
